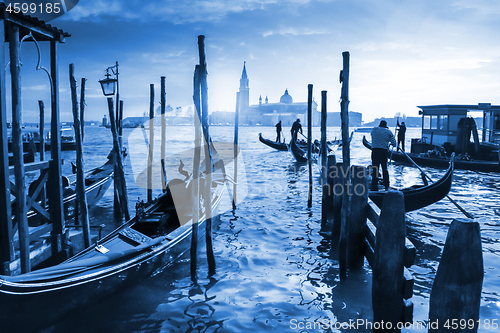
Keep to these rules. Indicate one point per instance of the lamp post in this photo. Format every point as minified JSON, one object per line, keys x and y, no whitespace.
{"x":110,"y":87}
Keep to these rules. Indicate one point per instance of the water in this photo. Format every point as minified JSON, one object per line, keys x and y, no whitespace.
{"x":274,"y":270}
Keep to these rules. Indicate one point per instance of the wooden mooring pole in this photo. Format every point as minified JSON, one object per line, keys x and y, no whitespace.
{"x":80,"y":177}
{"x":235,"y":149}
{"x":344,"y":114}
{"x":309,"y":142}
{"x":456,"y":292}
{"x":196,"y":174}
{"x":388,"y":266}
{"x":326,"y":198}
{"x":151,"y":141}
{"x":120,"y":183}
{"x":208,"y":155}
{"x":357,"y":219}
{"x":163,"y":106}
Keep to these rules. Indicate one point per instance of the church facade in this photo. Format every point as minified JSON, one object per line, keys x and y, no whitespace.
{"x":269,"y":114}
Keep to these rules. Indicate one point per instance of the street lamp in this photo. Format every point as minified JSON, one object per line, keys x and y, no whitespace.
{"x":110,"y":87}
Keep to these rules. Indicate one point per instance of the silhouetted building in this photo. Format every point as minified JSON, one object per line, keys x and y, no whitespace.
{"x":267,"y":113}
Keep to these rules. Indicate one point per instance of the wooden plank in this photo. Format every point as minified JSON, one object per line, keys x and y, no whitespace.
{"x":30,"y":167}
{"x":370,"y":233}
{"x":409,"y":253}
{"x":372,"y":212}
{"x":408,"y":282}
{"x":369,"y":252}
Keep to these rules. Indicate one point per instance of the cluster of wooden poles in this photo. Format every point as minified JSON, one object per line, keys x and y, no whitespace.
{"x":359,"y":231}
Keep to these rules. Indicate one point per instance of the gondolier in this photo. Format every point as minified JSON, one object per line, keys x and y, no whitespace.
{"x":296,"y":127}
{"x":381,"y":138}
{"x":278,"y":131}
{"x":401,"y":134}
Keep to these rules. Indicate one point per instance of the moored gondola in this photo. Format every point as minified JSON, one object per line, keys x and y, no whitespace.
{"x":158,"y":235}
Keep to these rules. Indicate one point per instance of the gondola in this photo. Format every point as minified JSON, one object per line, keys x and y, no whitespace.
{"x":418,"y":196}
{"x":152,"y":240}
{"x":97,"y":182}
{"x":441,"y":161}
{"x":273,"y":144}
{"x":299,"y":153}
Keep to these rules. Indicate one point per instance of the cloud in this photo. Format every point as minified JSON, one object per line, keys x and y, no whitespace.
{"x":294,"y":32}
{"x":175,"y":11}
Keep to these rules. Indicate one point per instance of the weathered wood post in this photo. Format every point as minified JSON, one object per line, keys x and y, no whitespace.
{"x":337,"y":192}
{"x":196,"y":173}
{"x":80,"y":177}
{"x":323,"y":146}
{"x":456,"y":292}
{"x":17,"y":150}
{"x":357,"y":218}
{"x":324,"y":164}
{"x":54,"y":191}
{"x":327,"y":204}
{"x":388,"y":266}
{"x":163,"y":106}
{"x":344,"y":114}
{"x":151,"y":141}
{"x":309,"y":142}
{"x":82,"y":107}
{"x":235,"y":149}
{"x":119,"y":175}
{"x":208,"y":155}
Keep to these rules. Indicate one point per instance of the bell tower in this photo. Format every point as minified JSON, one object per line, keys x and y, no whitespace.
{"x":244,"y":102}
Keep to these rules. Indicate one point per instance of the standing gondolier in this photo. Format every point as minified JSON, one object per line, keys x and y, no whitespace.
{"x":381,"y":138}
{"x":278,"y":131}
{"x":401,"y":134}
{"x":296,"y":127}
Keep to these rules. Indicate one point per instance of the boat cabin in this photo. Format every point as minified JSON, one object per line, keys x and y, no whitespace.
{"x":454,"y":126}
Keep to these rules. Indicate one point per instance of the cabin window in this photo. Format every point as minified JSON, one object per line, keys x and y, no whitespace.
{"x":443,"y":122}
{"x":497,"y":122}
{"x":434,"y":122}
{"x":427,"y":122}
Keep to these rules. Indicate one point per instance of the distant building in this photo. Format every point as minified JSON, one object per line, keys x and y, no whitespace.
{"x":267,"y":113}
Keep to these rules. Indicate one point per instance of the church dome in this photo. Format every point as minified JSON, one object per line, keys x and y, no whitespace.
{"x":286,"y":98}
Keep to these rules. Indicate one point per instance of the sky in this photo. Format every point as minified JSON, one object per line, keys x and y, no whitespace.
{"x":403,"y":53}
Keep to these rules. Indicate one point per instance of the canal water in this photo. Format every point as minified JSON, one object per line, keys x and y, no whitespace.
{"x":275,"y":272}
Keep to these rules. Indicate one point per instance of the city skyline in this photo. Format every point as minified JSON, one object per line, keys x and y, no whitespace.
{"x":402,"y":53}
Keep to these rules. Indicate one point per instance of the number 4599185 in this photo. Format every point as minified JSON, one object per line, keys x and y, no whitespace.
{"x":462,"y":324}
{"x":33,"y":8}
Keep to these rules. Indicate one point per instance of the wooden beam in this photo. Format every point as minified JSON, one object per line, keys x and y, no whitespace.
{"x":6,"y":234}
{"x":55,"y":195}
{"x":17,"y":149}
{"x":29,"y":167}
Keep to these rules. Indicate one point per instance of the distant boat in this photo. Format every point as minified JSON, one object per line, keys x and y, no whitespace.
{"x":68,"y":141}
{"x":363,"y":129}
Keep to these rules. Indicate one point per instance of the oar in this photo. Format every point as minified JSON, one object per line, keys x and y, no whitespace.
{"x":422,"y":171}
{"x":283,"y":133}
